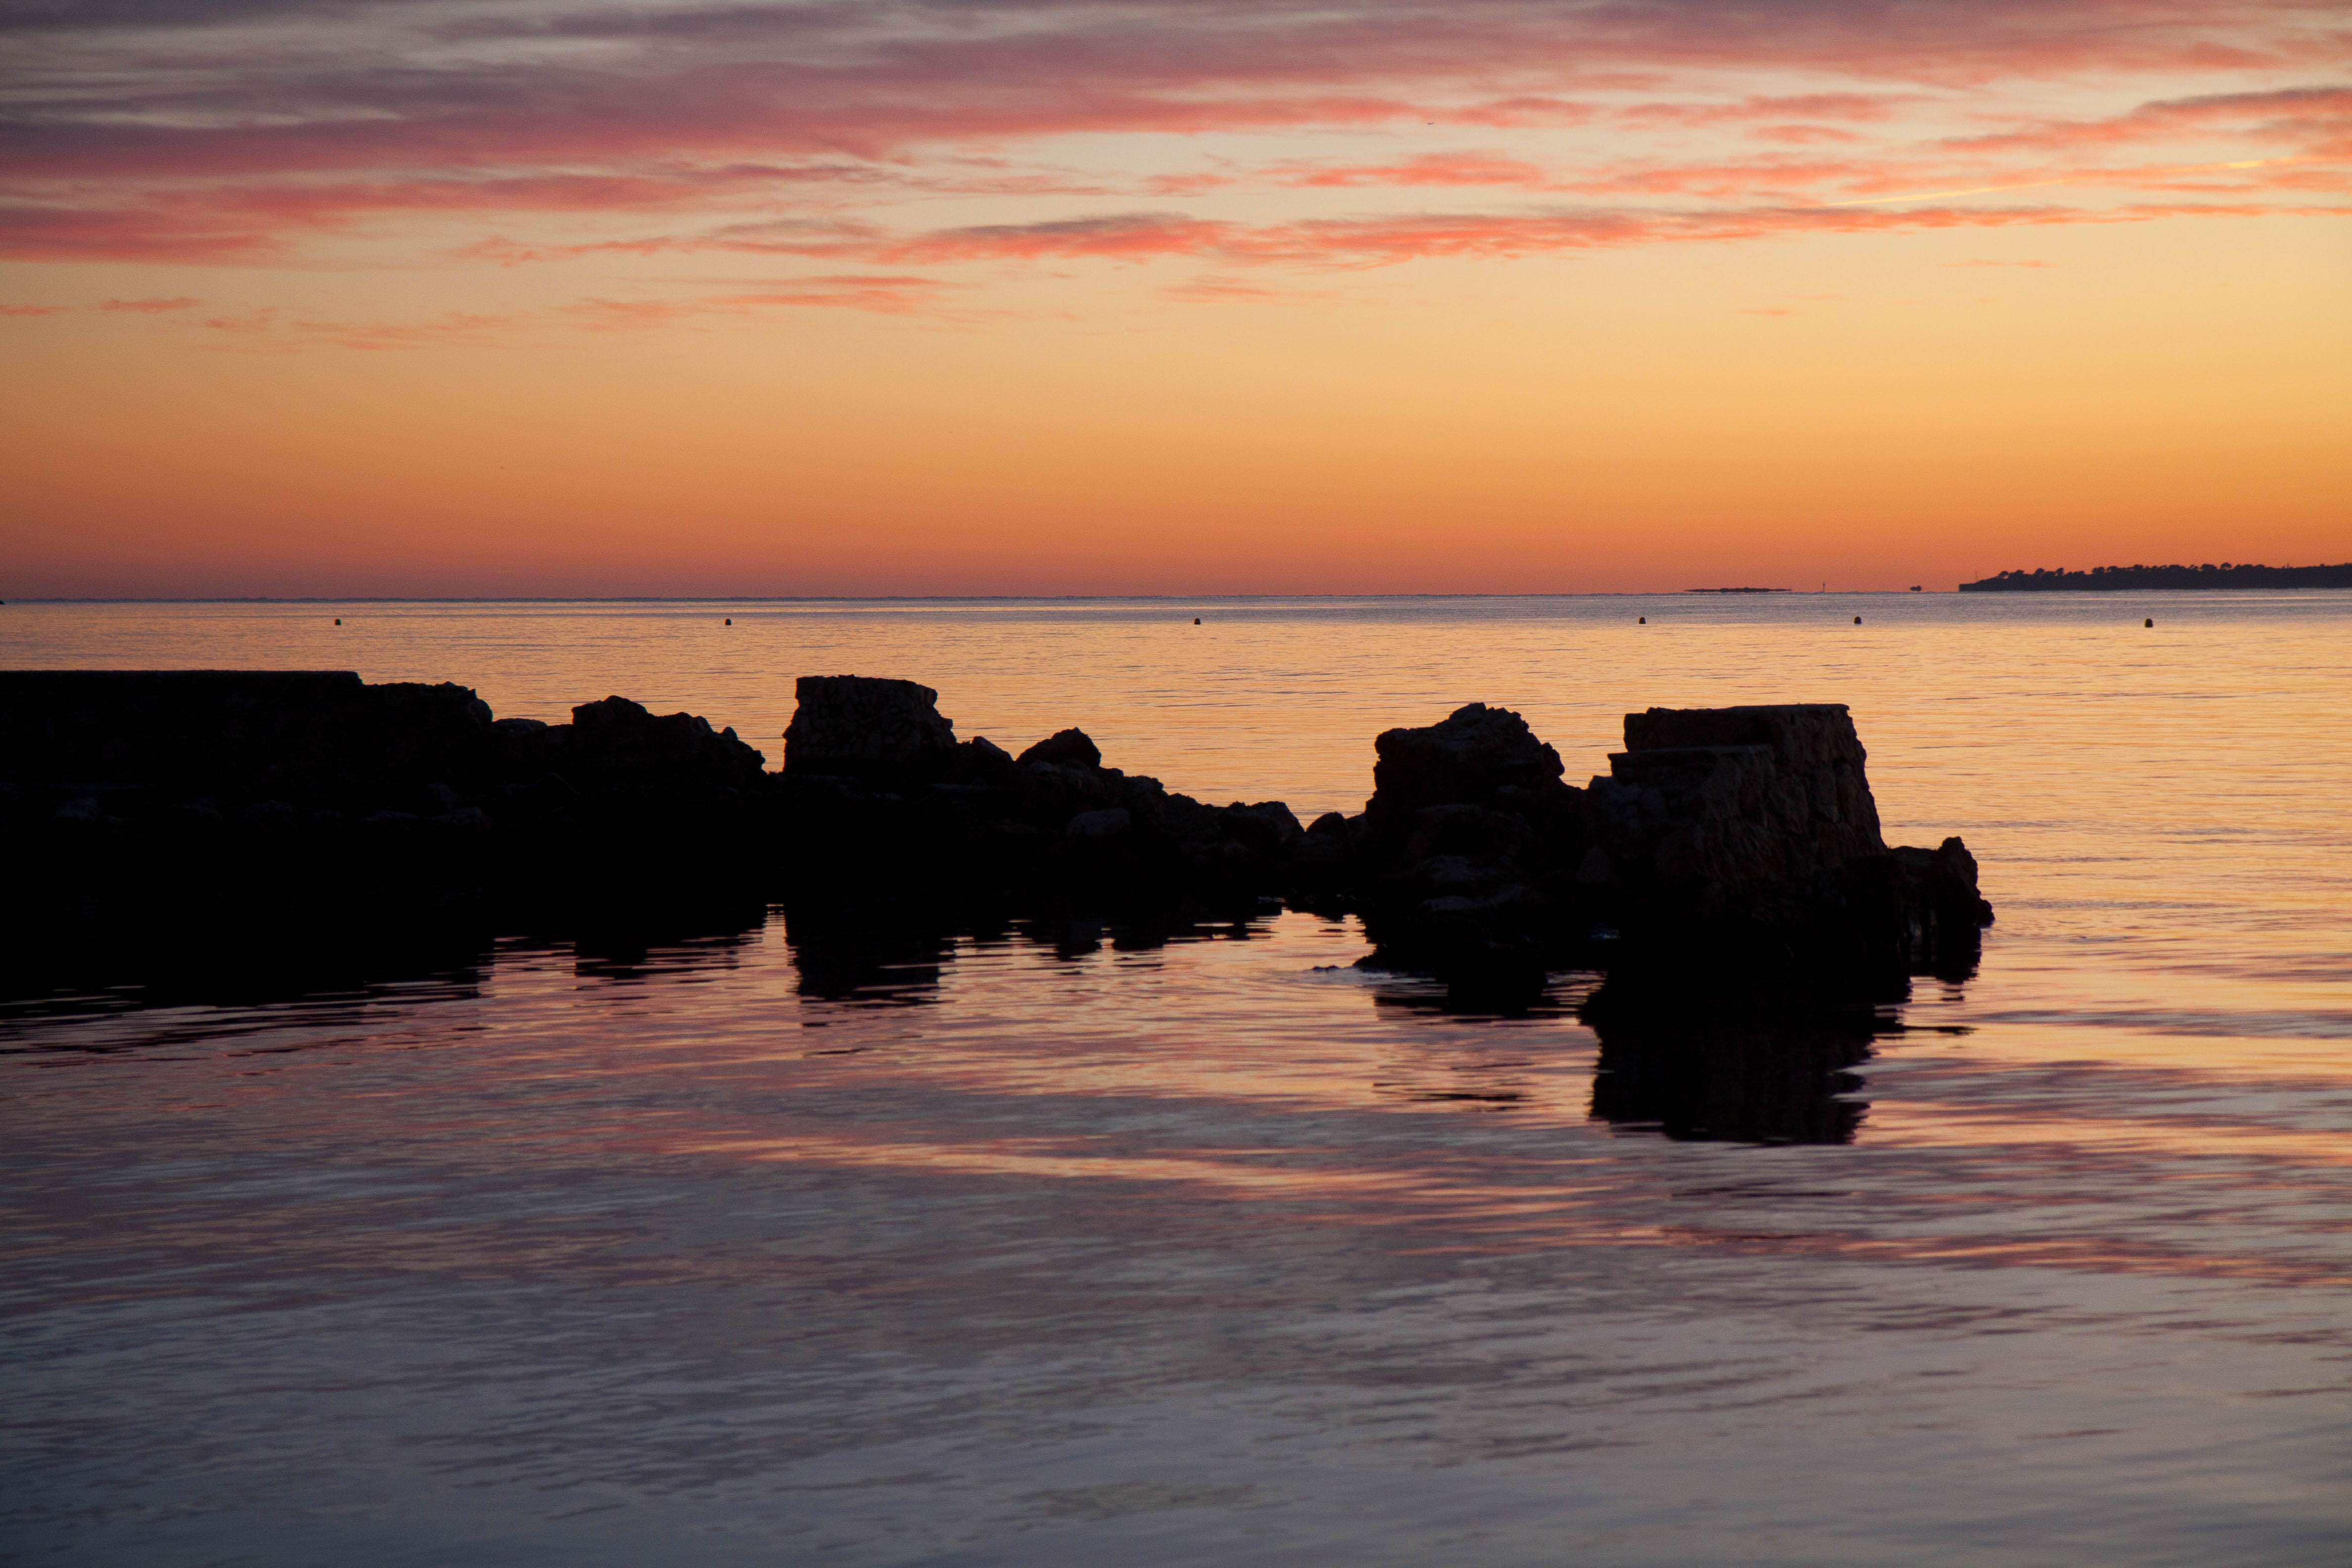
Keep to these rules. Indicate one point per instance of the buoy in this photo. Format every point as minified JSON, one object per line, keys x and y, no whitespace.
{"x":2150,"y":622}
{"x":1641,"y":620}
{"x":1196,"y":620}
{"x":730,"y":620}
{"x":338,"y":620}
{"x":1857,"y":620}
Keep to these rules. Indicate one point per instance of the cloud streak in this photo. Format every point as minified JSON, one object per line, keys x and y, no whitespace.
{"x":270,"y":132}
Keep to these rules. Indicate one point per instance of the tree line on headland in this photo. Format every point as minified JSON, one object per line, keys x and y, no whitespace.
{"x":2208,"y":576}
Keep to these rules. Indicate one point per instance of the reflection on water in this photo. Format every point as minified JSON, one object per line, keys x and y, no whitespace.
{"x":1063,"y":1242}
{"x":1747,"y":1081}
{"x":813,"y":1234}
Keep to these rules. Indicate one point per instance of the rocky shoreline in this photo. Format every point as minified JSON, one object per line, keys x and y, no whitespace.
{"x":1739,"y":846}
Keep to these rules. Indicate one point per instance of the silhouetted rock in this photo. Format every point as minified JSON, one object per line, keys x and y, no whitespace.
{"x":270,"y":797}
{"x":619,"y":741}
{"x":1465,"y":854}
{"x":1734,"y":796}
{"x":970,"y":821}
{"x":1477,"y":753}
{"x":1065,"y":749}
{"x":1944,"y":913}
{"x":1746,"y":839}
{"x":860,"y":723}
{"x":1738,"y":846}
{"x":1738,"y":843}
{"x":1113,"y":822}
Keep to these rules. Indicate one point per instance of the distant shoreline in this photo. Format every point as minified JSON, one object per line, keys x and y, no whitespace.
{"x":2170,"y":579}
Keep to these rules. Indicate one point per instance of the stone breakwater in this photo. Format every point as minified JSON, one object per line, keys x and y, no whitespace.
{"x":1726,"y":841}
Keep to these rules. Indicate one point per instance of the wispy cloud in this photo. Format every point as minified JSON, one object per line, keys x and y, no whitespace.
{"x":254,"y":132}
{"x":1383,"y":241}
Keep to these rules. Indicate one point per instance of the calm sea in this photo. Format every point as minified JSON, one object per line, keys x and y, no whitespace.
{"x":1057,"y":1247}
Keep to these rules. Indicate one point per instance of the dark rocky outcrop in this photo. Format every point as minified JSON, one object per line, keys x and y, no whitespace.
{"x":861,"y":726}
{"x":1736,"y":845}
{"x":1751,"y":832}
{"x":194,"y":810}
{"x":935,"y":817}
{"x":1740,"y":844}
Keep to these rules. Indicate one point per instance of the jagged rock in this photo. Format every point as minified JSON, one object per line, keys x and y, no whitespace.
{"x":1942,"y":908}
{"x":1268,"y":826}
{"x":1806,"y":791}
{"x":1475,"y":752}
{"x":857,"y":723}
{"x":1065,"y":749}
{"x":1464,"y":856}
{"x":982,"y":759}
{"x":620,"y":741}
{"x":1726,"y":840}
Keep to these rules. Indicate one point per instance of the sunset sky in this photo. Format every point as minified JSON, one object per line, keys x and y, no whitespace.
{"x":460,"y":297}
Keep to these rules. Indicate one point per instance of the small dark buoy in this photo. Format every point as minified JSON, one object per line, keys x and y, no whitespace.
{"x":2150,"y":622}
{"x":730,"y":620}
{"x":1196,"y":620}
{"x":338,"y":620}
{"x":1857,"y":620}
{"x":1641,"y":620}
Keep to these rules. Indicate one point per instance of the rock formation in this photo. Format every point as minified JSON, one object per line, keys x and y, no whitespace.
{"x":1743,"y":839}
{"x":1740,"y":842}
{"x":877,"y":794}
{"x":862,"y":726}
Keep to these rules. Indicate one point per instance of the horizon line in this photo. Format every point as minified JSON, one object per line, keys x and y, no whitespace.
{"x":880,"y":598}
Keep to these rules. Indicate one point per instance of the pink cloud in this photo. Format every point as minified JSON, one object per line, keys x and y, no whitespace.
{"x":1850,"y":105}
{"x":1348,"y":243}
{"x":1429,"y":169}
{"x":1802,"y":135}
{"x":32,"y":310}
{"x":129,"y":233}
{"x":2315,"y":121}
{"x":152,"y":307}
{"x":1214,"y":291}
{"x":1517,"y":112}
{"x":240,"y":132}
{"x":885,"y":294}
{"x":1186,"y":184}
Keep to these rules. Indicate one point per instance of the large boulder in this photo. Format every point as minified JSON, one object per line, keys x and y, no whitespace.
{"x":620,"y":741}
{"x":1476,"y":751}
{"x":865,"y":725}
{"x":1820,"y":796}
{"x":1714,"y":805}
{"x":1065,"y":749}
{"x":1750,"y":834}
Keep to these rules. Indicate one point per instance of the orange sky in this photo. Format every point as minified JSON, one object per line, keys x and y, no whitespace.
{"x":1171,"y":295}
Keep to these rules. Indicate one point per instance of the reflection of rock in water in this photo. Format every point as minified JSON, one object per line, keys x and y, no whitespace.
{"x":895,"y":953}
{"x":843,"y":955}
{"x":207,"y":946}
{"x":1472,"y":1068}
{"x":628,"y":953}
{"x":1730,"y":1078}
{"x":1476,"y":992}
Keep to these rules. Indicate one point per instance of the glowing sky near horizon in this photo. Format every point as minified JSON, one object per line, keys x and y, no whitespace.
{"x":1059,"y":296}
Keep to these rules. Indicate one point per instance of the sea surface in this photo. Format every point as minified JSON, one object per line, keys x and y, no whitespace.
{"x":1068,"y":1244}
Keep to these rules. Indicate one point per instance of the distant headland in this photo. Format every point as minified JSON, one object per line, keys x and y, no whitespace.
{"x":2208,"y":576}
